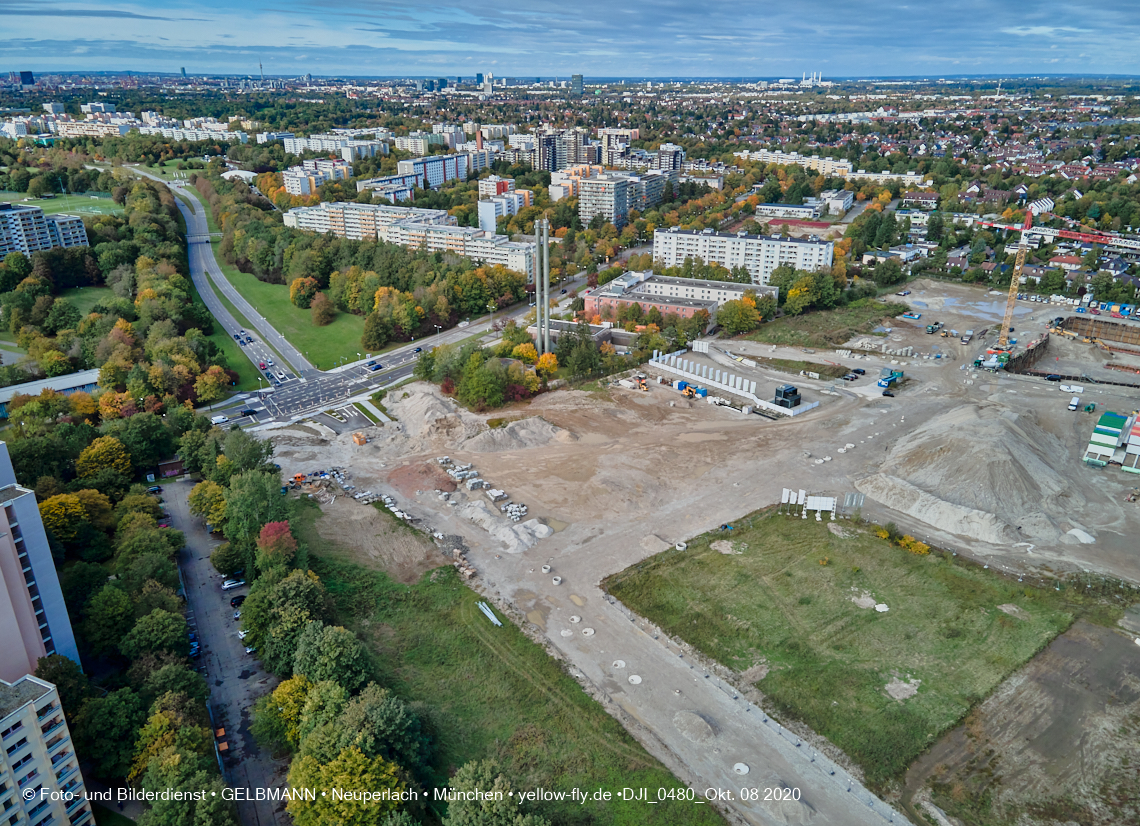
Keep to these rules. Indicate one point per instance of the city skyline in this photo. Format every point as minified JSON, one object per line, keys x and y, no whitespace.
{"x":716,"y":39}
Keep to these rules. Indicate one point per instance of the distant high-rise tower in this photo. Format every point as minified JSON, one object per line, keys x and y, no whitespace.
{"x":576,"y":85}
{"x":183,"y":71}
{"x":478,"y":78}
{"x":488,"y":82}
{"x":27,"y":79}
{"x":441,"y":83}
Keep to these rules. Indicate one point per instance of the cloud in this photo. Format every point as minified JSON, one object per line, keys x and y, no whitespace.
{"x":1044,"y":31}
{"x":20,"y":10}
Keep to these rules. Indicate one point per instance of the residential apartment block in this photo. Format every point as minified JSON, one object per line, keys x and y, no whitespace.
{"x":40,"y":780}
{"x":670,"y":156}
{"x":831,"y":167}
{"x":33,"y":617}
{"x":684,"y":297}
{"x":613,"y":194}
{"x":493,"y":185}
{"x":360,"y":222}
{"x":307,"y":178}
{"x":26,"y":229}
{"x":465,"y":241}
{"x":759,"y":254}
{"x":347,"y":148}
{"x":498,"y":206}
{"x":803,"y":212}
{"x":432,"y":172}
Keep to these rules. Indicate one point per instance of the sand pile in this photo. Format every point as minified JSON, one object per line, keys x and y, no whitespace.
{"x":518,"y":435}
{"x":429,"y":418}
{"x":517,"y":537}
{"x":980,"y":471}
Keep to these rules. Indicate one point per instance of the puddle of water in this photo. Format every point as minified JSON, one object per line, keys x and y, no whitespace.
{"x":919,"y":304}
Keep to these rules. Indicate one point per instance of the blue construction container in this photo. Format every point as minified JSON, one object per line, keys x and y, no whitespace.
{"x":702,"y":392}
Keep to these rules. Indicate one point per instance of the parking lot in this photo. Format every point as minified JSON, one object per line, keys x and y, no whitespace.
{"x":234,"y":677}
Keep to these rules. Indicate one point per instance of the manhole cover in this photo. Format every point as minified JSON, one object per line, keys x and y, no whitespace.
{"x":587,"y":632}
{"x":634,"y":679}
{"x":740,"y":768}
{"x":575,"y":619}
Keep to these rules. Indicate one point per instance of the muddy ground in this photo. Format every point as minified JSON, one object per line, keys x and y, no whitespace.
{"x":1057,"y":743}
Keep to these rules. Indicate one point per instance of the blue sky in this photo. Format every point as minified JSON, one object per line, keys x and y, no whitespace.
{"x":754,"y":38}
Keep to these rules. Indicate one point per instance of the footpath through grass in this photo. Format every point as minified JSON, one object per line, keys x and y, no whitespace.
{"x":786,"y":602}
{"x":828,"y":328}
{"x":492,"y":693}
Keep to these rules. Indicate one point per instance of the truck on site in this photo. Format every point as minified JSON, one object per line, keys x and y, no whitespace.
{"x":1074,"y":402}
{"x":931,"y":329}
{"x":967,"y":336}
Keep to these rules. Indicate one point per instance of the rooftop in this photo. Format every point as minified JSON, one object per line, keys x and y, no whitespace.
{"x":59,"y":383}
{"x":711,"y":234}
{"x":25,"y":690}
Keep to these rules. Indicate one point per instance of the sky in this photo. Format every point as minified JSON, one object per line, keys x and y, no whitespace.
{"x":665,"y":38}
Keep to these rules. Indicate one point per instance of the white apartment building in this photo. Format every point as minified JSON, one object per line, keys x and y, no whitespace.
{"x":191,"y":134}
{"x":759,"y":254}
{"x":33,"y":617}
{"x":40,"y":780}
{"x":360,"y":222}
{"x":499,"y":206}
{"x":831,"y":167}
{"x":433,"y":171}
{"x":802,"y":212}
{"x":465,"y":241}
{"x":312,"y":174}
{"x":348,"y":148}
{"x":493,"y":185}
{"x":271,"y":137}
{"x":91,"y":129}
{"x":26,"y":229}
{"x":670,"y":156}
{"x":613,"y":194}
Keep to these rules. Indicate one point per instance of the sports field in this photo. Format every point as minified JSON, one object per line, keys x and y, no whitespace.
{"x":71,"y":204}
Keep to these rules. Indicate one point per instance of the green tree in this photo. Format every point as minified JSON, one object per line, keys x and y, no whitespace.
{"x":69,"y":681}
{"x":888,"y":272}
{"x":105,"y":731}
{"x":178,"y":679}
{"x":738,"y":316}
{"x":110,"y":616}
{"x":326,"y":652}
{"x":157,"y":631}
{"x":253,"y":499}
{"x":484,"y":776}
{"x":208,"y":500}
{"x":351,"y":770}
{"x":104,"y":452}
{"x":382,"y":725}
{"x":277,"y":716}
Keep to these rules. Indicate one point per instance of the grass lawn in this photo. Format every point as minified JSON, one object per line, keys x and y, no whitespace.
{"x":235,"y":357}
{"x":109,"y":817}
{"x":827,"y":328}
{"x":829,"y":661}
{"x":85,"y":297}
{"x":492,"y":693}
{"x":71,"y":204}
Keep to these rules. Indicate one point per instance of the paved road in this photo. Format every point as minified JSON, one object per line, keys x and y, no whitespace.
{"x":235,"y":678}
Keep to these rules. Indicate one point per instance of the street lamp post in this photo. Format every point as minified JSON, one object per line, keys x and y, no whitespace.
{"x":437,"y":329}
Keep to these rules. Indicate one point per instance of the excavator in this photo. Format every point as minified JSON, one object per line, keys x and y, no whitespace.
{"x":689,"y":392}
{"x":641,"y":383}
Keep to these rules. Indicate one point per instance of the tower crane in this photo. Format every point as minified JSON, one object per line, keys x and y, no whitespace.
{"x":1023,"y":245}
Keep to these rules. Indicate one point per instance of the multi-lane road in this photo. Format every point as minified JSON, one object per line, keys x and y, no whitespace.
{"x":293,"y":386}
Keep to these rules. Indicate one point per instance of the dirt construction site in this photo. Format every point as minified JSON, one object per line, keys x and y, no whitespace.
{"x":984,"y":464}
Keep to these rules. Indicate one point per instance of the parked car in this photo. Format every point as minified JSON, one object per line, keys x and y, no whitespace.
{"x":154,"y":489}
{"x":1052,"y":377}
{"x":888,"y":393}
{"x":219,"y":419}
{"x":193,"y":637}
{"x":164,"y":524}
{"x":194,"y":653}
{"x":230,"y":584}
{"x":249,"y":411}
{"x":858,"y":371}
{"x":850,"y":377}
{"x":904,"y":292}
{"x":370,"y":363}
{"x":237,"y":601}
{"x":376,"y":367}
{"x":1094,"y":311}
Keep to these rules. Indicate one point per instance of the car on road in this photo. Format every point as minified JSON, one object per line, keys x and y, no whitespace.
{"x":237,"y":601}
{"x":563,"y":292}
{"x":249,"y":411}
{"x":375,"y":367}
{"x":904,"y":292}
{"x":1052,"y":377}
{"x":219,"y":419}
{"x":230,"y":584}
{"x":269,"y":362}
{"x":281,"y":375}
{"x":269,"y":375}
{"x":418,"y":350}
{"x":888,"y":393}
{"x":261,"y":365}
{"x":154,"y":489}
{"x":369,"y":363}
{"x":237,"y":337}
{"x":249,"y":339}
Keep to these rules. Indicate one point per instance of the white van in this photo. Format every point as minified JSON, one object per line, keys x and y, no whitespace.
{"x":219,"y":419}
{"x":1074,"y":402}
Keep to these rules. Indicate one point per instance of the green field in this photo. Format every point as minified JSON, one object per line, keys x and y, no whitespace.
{"x":247,"y":371}
{"x":827,"y":328}
{"x":71,"y":204}
{"x":785,"y":602}
{"x":85,"y":297}
{"x":492,"y":693}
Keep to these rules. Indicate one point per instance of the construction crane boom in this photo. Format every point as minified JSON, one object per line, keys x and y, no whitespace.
{"x":1014,"y":283}
{"x":1090,"y":237}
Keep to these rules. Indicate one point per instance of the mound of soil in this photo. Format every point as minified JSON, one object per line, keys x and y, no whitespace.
{"x":981,"y":471}
{"x":518,"y":435}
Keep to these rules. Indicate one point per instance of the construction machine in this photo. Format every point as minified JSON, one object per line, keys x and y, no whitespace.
{"x":641,"y":383}
{"x":689,"y":392}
